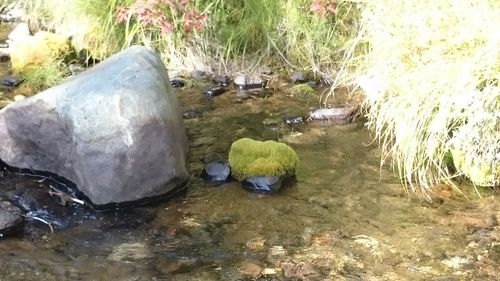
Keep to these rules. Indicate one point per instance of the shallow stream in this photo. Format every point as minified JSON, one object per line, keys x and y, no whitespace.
{"x":343,"y":218}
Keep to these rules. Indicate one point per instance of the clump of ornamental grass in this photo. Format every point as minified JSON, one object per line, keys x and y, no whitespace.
{"x":431,"y":78}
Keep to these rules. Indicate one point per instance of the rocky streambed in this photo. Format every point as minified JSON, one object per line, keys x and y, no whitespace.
{"x":342,"y":218}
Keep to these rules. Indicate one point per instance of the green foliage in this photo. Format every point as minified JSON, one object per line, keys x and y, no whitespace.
{"x":233,"y":35}
{"x":302,"y":90}
{"x":430,"y":83}
{"x":42,"y":76}
{"x":249,"y":158}
{"x":245,"y":27}
{"x":311,"y":41}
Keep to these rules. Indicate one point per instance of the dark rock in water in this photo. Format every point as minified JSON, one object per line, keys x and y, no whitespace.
{"x":191,"y":114}
{"x":10,"y":81}
{"x":265,"y":184}
{"x":116,"y":131}
{"x":177,"y":83}
{"x":212,"y":92}
{"x":4,"y":52}
{"x":4,"y":57}
{"x":216,"y":172}
{"x":11,"y":219}
{"x":221,"y":80}
{"x":298,"y":76}
{"x":76,"y":69}
{"x":347,"y":114}
{"x":293,"y":120}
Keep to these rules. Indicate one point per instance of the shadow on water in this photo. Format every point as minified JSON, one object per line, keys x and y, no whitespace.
{"x":343,"y":218}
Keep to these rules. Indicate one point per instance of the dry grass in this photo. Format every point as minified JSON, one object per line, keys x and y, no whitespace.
{"x":431,"y":78}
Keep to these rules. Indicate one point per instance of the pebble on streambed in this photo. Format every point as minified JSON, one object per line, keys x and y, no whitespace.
{"x":216,"y":172}
{"x":212,"y":92}
{"x":265,"y":184}
{"x":11,"y":219}
{"x":10,"y":81}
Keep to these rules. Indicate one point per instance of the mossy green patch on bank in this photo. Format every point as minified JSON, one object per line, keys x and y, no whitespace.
{"x":303,"y":90}
{"x":481,"y":174}
{"x":249,"y":158}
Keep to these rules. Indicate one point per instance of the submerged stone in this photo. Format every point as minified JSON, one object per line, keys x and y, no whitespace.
{"x":346,"y":114}
{"x":293,"y":120}
{"x":212,"y":92}
{"x":11,"y":81}
{"x":177,"y":83}
{"x":115,"y":131}
{"x":265,"y":184}
{"x":216,"y":172}
{"x":11,"y":219}
{"x":249,"y":82}
{"x":221,"y":80}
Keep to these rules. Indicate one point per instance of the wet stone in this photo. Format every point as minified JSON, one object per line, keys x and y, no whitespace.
{"x":216,"y":172}
{"x":293,"y":120}
{"x":264,"y":184}
{"x":221,"y":80}
{"x":11,"y":219}
{"x":347,"y":113}
{"x":177,"y":83}
{"x":212,"y":92}
{"x":249,"y":82}
{"x":11,"y":81}
{"x":4,"y":57}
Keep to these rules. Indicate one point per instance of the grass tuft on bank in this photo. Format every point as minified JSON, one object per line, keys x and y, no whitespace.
{"x":431,"y":73}
{"x":220,"y":36}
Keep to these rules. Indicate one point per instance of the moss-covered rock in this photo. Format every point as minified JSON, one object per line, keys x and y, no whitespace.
{"x":303,"y":90}
{"x":480,"y":174}
{"x":250,"y":158}
{"x":36,"y":50}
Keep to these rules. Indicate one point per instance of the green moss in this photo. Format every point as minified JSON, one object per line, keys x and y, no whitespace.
{"x":302,"y":90}
{"x":480,"y":174}
{"x":249,"y":158}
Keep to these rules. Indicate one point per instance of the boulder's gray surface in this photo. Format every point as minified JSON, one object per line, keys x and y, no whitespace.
{"x":10,"y":218}
{"x":116,"y":130}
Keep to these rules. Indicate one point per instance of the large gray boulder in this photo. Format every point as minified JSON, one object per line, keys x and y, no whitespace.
{"x":115,"y":130}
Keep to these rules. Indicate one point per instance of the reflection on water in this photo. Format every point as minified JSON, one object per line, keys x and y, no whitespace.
{"x":342,"y":219}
